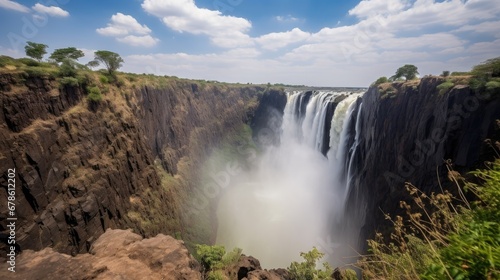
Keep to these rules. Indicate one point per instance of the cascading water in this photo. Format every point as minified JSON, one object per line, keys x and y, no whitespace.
{"x":294,"y":198}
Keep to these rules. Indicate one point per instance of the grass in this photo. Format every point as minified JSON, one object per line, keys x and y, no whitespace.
{"x":443,"y":237}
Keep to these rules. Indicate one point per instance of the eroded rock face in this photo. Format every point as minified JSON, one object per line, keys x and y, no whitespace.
{"x":408,"y":136}
{"x":80,"y":171}
{"x":117,"y":254}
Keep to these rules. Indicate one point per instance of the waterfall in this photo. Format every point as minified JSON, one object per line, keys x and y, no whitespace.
{"x":294,"y":197}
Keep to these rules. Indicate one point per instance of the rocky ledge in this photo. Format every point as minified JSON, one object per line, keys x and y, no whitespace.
{"x":117,"y":254}
{"x":122,"y":254}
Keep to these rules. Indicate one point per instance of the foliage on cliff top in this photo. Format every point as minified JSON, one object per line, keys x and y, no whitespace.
{"x":454,"y":240}
{"x":487,"y":76}
{"x":307,"y":270}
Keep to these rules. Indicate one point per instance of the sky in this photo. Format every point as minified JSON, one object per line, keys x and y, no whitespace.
{"x":304,"y":42}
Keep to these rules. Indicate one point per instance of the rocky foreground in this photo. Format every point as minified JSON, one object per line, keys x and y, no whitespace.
{"x":122,"y":254}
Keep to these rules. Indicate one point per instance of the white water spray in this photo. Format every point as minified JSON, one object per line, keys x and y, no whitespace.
{"x":285,"y":205}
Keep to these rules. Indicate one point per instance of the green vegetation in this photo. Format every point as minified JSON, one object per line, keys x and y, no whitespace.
{"x":112,"y":61}
{"x":61,"y":55}
{"x":445,"y":86}
{"x":215,"y":260}
{"x":486,"y":76}
{"x":445,"y":73}
{"x":35,"y":50}
{"x":454,"y":241}
{"x":69,"y":81}
{"x":94,"y":94}
{"x":307,"y":270}
{"x":408,"y":71}
{"x":381,"y":80}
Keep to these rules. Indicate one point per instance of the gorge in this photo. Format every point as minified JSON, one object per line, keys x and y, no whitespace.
{"x":269,"y":170}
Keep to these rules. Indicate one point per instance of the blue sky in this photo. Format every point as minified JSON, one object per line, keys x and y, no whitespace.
{"x":312,"y":42}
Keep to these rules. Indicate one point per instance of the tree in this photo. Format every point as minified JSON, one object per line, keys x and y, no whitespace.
{"x":408,"y":71}
{"x":490,"y":68}
{"x":307,"y":270}
{"x":111,"y":60}
{"x":381,"y":80}
{"x":59,"y":55}
{"x":35,"y":50}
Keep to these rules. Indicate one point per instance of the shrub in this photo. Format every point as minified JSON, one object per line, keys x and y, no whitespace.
{"x":444,"y":87}
{"x":103,"y":79}
{"x":381,"y":80}
{"x":94,"y":94}
{"x":444,"y":237}
{"x":445,"y":73}
{"x":67,"y":69}
{"x":307,"y":270}
{"x":216,"y":275}
{"x":28,"y":61}
{"x":210,"y":256}
{"x":6,"y":60}
{"x":493,"y":86}
{"x":69,"y":81}
{"x":37,"y":72}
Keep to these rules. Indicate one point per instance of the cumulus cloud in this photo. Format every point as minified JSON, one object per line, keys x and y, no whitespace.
{"x":432,"y":34}
{"x":11,"y":5}
{"x":128,"y":30}
{"x":185,"y":16}
{"x":287,"y":18}
{"x":139,"y":41}
{"x":50,"y":10}
{"x":273,"y":41}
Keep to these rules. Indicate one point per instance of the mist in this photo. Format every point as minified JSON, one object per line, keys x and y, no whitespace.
{"x":291,"y":199}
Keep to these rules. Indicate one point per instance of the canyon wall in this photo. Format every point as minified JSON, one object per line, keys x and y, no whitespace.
{"x":408,"y":134}
{"x":124,"y":163}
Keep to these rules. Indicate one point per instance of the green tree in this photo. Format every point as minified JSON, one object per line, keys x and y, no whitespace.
{"x":381,"y":80}
{"x":59,"y":55}
{"x":408,"y":71}
{"x":307,"y":270}
{"x":35,"y":50}
{"x":111,"y":60}
{"x":490,"y":68}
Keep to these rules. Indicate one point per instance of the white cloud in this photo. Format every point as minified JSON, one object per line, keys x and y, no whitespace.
{"x":435,"y":35}
{"x":11,"y":5}
{"x":50,"y":10}
{"x":367,"y":8}
{"x":128,"y":30}
{"x":287,"y":18}
{"x":139,"y":41}
{"x":121,"y":24}
{"x":185,"y":16}
{"x":273,"y":41}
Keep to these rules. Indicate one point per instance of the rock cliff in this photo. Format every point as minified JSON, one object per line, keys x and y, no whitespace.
{"x":407,"y":135}
{"x":128,"y":162}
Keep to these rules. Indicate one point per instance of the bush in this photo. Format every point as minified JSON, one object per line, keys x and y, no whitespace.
{"x":37,"y":72}
{"x":493,"y":86}
{"x":28,"y":61}
{"x":94,"y":94}
{"x":454,"y":240}
{"x":307,"y":270}
{"x":444,"y":87}
{"x":67,"y":69}
{"x":69,"y":81}
{"x":216,"y":275}
{"x":381,"y":80}
{"x":210,"y":256}
{"x":445,"y":73}
{"x":103,"y":79}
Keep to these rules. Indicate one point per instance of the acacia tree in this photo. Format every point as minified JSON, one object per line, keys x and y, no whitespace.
{"x":408,"y":71}
{"x":35,"y":50}
{"x":111,"y":60}
{"x":61,"y":55}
